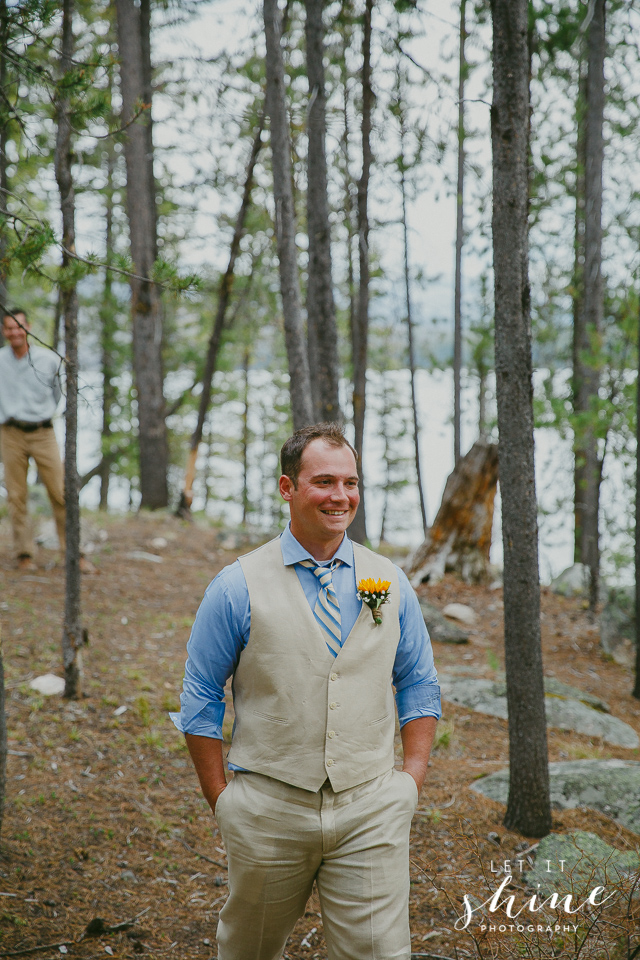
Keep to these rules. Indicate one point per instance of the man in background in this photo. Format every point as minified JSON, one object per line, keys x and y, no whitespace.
{"x":30,"y":390}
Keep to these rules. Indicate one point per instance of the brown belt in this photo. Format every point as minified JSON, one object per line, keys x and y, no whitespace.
{"x":28,"y":426}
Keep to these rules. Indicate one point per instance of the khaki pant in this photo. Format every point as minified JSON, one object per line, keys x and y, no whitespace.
{"x":16,"y":447}
{"x":354,"y":844}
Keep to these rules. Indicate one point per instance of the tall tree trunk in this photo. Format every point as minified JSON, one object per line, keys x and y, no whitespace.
{"x":636,"y":686}
{"x":72,"y":629}
{"x":587,"y":375}
{"x":322,"y":332}
{"x":4,"y":183}
{"x":3,"y":738}
{"x":299,"y":380}
{"x":246,"y":366}
{"x":224,"y":295}
{"x":107,"y":330}
{"x":411,"y":351}
{"x":579,"y":335}
{"x":457,"y":307}
{"x":528,"y":809}
{"x":348,"y":184}
{"x":360,"y":330}
{"x":146,"y":306}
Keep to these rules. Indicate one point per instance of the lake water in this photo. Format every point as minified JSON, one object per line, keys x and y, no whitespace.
{"x":554,"y":463}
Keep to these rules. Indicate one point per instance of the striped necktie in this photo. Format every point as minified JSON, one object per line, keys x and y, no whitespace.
{"x":327,"y":608}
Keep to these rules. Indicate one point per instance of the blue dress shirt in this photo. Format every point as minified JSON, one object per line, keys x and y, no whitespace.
{"x":223,"y":623}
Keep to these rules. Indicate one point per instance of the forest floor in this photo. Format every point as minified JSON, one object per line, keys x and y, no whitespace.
{"x":103,"y":815}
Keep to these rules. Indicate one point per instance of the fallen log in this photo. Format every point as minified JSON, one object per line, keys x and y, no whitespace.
{"x":460,"y":538}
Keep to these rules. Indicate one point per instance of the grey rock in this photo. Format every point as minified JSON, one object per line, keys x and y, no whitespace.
{"x":555,"y":688}
{"x":460,"y":612}
{"x":129,"y":876}
{"x":578,"y":861}
{"x":618,"y":626}
{"x":610,"y":786}
{"x":143,"y":555}
{"x":562,"y":710}
{"x":572,"y":582}
{"x":439,"y":627}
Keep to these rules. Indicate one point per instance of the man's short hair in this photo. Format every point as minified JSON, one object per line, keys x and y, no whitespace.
{"x":14,"y":312}
{"x":294,"y":447}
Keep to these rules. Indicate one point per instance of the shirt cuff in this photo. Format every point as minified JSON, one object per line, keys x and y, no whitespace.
{"x":203,"y":720}
{"x":418,"y":700}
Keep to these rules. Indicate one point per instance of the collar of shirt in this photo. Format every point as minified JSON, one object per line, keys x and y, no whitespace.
{"x":294,"y":552}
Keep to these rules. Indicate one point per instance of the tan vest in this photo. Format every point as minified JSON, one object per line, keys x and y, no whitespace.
{"x":301,"y":714}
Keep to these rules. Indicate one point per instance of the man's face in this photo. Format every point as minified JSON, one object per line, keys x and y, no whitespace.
{"x":14,"y":334}
{"x":327,"y":497}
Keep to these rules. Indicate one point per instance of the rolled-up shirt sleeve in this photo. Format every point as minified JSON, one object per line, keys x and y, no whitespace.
{"x":414,"y":672}
{"x":218,"y":637}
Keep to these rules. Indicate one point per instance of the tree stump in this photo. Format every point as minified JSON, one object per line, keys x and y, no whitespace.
{"x":460,"y":538}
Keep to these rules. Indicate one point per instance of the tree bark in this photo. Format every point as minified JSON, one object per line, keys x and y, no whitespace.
{"x":107,"y":330}
{"x":528,"y":808}
{"x":299,"y":380}
{"x":72,"y":629}
{"x":360,"y":330}
{"x":636,"y":686}
{"x":322,"y":333}
{"x":146,"y":306}
{"x":587,"y":337}
{"x":224,"y":295}
{"x":3,"y":739}
{"x":457,"y":306}
{"x":4,"y":183}
{"x":459,"y":540}
{"x":579,"y":335}
{"x":410,"y":347}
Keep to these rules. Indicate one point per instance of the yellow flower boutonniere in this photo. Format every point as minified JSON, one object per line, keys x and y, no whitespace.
{"x":374,"y":593}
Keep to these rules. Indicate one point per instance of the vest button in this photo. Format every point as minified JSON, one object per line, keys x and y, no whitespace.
{"x":331,"y":734}
{"x":333,"y":705}
{"x":330,"y":763}
{"x":334,"y":676}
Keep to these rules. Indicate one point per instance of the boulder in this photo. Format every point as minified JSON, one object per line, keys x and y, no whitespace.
{"x":618,"y":626}
{"x":567,"y":708}
{"x":49,"y":685}
{"x":460,"y":612}
{"x":578,"y":861}
{"x":572,"y":582}
{"x":610,"y":786}
{"x":439,"y":627}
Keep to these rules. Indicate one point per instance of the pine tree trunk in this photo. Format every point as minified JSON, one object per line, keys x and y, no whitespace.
{"x":587,"y":381}
{"x":3,"y":739}
{"x":636,"y":686}
{"x":360,"y":331}
{"x":411,"y":351}
{"x":321,"y":315}
{"x":4,"y":183}
{"x":107,"y":330}
{"x":215,"y":339}
{"x":457,"y":308}
{"x":72,"y":629}
{"x":528,"y":809}
{"x":146,"y":306}
{"x":579,"y":334}
{"x":246,"y":366}
{"x":299,"y":380}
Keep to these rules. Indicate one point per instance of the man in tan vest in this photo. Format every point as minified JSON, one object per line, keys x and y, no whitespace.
{"x":315,"y":795}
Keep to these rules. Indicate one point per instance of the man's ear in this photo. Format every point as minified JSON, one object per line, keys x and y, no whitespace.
{"x":286,"y":487}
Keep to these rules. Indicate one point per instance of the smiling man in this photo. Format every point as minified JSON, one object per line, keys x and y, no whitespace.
{"x":315,"y":795}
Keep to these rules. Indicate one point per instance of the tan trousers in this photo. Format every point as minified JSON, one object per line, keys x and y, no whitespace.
{"x":354,"y":844}
{"x":16,"y":447}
